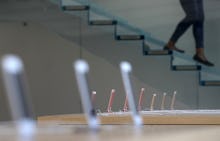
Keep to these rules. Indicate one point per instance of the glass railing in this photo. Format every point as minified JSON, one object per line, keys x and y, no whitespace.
{"x":124,"y":27}
{"x":182,"y":61}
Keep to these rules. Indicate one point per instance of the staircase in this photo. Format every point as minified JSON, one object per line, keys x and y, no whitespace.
{"x":97,"y":16}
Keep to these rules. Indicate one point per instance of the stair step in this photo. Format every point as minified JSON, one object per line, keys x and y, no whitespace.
{"x":157,"y":52}
{"x":75,"y":8}
{"x":148,"y":51}
{"x":186,"y":67}
{"x":210,"y":83}
{"x":103,"y":22}
{"x":130,"y":37}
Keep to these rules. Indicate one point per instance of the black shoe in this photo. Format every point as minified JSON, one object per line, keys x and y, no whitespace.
{"x":175,"y":49}
{"x":205,"y":62}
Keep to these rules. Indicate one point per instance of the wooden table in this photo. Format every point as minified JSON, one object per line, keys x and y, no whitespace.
{"x":159,"y":126}
{"x":178,"y":117}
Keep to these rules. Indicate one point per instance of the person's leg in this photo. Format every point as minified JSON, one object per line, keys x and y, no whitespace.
{"x":182,"y":26}
{"x":198,"y":33}
{"x":198,"y":24}
{"x":180,"y":30}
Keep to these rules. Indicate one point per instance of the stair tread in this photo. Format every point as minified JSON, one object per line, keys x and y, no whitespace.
{"x":75,"y":7}
{"x":157,"y":52}
{"x":210,"y":82}
{"x":130,"y":37}
{"x":102,"y":22}
{"x":186,"y":67}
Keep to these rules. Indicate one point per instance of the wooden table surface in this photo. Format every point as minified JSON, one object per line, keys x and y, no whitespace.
{"x":174,"y":126}
{"x":149,"y":118}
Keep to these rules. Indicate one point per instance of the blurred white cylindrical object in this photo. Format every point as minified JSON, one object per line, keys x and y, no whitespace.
{"x":17,"y":93}
{"x":81,"y":70}
{"x":126,"y":69}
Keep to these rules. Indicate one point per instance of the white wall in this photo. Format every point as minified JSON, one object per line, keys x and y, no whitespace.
{"x":48,"y":59}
